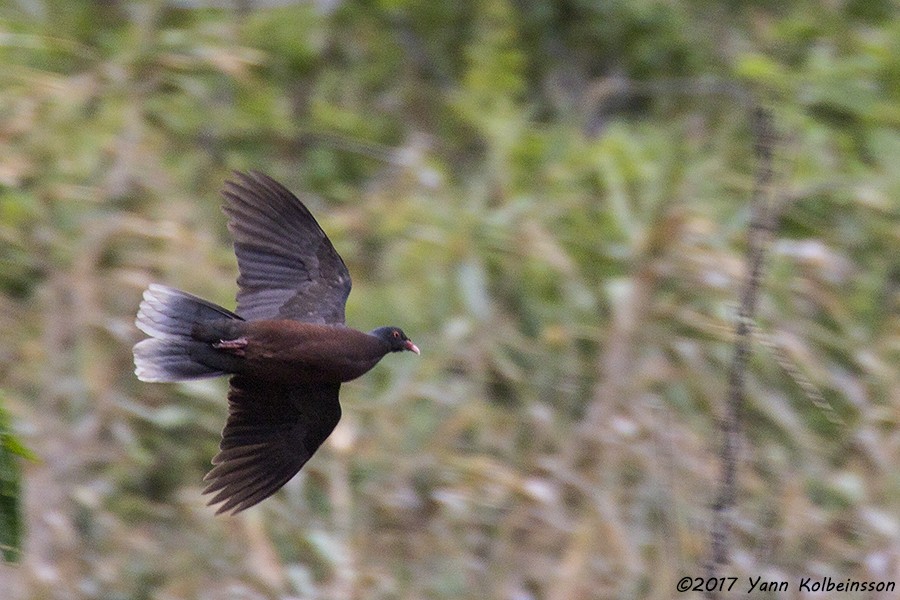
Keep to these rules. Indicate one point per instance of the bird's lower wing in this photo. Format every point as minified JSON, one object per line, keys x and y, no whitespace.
{"x":270,"y":434}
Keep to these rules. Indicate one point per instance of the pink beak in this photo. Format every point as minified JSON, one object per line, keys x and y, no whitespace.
{"x":412,"y":347}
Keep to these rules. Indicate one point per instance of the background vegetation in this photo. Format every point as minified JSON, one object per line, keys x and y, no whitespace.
{"x":551,"y":198}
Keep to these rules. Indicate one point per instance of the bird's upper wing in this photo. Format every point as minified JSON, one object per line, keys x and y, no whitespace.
{"x":270,"y":434}
{"x":288,"y":267}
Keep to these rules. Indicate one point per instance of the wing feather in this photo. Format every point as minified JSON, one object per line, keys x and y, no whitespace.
{"x":288,"y":266}
{"x":271,"y":432}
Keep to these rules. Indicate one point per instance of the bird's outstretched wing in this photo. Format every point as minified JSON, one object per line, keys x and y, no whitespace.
{"x":288,"y":267}
{"x":270,"y":434}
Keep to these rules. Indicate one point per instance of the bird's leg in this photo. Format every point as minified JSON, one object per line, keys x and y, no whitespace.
{"x":235,"y":346}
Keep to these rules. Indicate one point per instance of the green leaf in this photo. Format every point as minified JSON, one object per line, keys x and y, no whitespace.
{"x":11,"y":450}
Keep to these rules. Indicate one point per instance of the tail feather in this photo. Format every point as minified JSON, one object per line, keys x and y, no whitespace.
{"x":167,"y":313}
{"x":167,"y":360}
{"x":169,"y":317}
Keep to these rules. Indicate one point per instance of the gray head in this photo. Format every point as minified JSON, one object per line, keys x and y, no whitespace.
{"x":395,"y":338}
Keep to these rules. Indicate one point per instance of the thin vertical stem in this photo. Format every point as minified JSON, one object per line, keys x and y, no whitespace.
{"x":761,"y":226}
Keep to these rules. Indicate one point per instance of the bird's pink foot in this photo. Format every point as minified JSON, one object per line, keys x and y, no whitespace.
{"x":235,"y":346}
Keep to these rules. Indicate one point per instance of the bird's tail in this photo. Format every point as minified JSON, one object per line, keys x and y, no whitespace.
{"x":171,"y":353}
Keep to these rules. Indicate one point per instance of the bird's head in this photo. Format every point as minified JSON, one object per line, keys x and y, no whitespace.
{"x":395,"y":338}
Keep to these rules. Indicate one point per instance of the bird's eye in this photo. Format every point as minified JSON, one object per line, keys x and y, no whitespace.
{"x":395,"y":334}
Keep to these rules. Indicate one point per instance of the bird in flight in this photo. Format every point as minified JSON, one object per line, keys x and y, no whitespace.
{"x":286,"y":347}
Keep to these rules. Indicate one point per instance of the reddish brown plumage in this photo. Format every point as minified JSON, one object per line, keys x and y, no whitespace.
{"x":283,"y":351}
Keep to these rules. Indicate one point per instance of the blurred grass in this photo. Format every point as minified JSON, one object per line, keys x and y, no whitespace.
{"x":550,"y":200}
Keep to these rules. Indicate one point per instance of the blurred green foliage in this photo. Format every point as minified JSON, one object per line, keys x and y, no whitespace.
{"x":10,"y":489}
{"x":550,"y":198}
